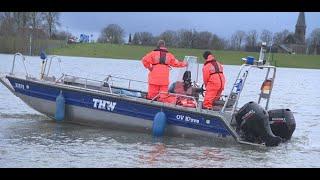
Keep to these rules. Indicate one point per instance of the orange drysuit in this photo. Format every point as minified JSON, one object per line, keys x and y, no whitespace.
{"x":214,"y":81}
{"x":158,"y":62}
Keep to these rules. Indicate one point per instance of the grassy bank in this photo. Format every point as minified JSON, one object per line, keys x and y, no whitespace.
{"x":137,"y":52}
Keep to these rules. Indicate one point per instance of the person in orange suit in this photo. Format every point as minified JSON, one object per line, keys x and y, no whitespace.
{"x":158,"y":62}
{"x":213,"y":79}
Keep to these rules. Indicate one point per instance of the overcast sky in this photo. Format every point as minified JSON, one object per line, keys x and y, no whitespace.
{"x":220,"y":23}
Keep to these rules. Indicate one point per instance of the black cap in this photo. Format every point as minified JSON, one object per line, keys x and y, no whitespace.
{"x":206,"y":54}
{"x":187,"y":76}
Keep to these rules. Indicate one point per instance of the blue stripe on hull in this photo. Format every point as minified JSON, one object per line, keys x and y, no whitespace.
{"x":123,"y":107}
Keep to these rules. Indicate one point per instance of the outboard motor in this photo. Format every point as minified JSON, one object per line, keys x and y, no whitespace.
{"x":253,"y":123}
{"x":282,"y":123}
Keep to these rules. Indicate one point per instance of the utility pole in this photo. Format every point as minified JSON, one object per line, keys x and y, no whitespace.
{"x":67,"y":35}
{"x":30,"y":41}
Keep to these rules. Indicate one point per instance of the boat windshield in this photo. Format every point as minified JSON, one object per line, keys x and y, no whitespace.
{"x":193,"y":67}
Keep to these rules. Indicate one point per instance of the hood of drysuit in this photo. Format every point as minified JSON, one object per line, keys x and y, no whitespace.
{"x":210,"y":58}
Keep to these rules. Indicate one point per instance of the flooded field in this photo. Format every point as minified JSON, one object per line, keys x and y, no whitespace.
{"x":29,"y":139}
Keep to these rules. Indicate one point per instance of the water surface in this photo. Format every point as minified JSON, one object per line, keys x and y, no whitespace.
{"x":29,"y":139}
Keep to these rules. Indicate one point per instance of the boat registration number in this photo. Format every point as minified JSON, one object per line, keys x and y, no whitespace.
{"x":187,"y":119}
{"x":19,"y":86}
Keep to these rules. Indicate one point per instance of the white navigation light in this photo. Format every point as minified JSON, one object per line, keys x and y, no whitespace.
{"x":263,"y":51}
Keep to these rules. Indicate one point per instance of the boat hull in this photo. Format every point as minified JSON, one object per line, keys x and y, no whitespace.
{"x":115,"y":112}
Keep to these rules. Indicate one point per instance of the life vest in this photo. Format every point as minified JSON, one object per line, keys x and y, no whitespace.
{"x":163,"y":56}
{"x":216,"y":66}
{"x":186,"y":102}
{"x":158,"y":72}
{"x":214,"y":71}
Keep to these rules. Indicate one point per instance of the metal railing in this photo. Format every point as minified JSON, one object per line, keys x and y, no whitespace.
{"x":86,"y":80}
{"x":59,"y":62}
{"x":23,"y":61}
{"x":107,"y":81}
{"x":272,"y":82}
{"x":244,"y":78}
{"x":110,"y":79}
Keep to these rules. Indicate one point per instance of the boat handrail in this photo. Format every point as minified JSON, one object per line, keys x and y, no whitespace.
{"x":174,"y":94}
{"x":86,"y":79}
{"x":104,"y":82}
{"x":59,"y":62}
{"x":94,"y":80}
{"x":110,"y":77}
{"x":231,"y":91}
{"x":23,"y":61}
{"x":244,"y":76}
{"x":272,"y":82}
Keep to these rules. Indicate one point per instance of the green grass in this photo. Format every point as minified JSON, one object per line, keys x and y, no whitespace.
{"x":137,"y":52}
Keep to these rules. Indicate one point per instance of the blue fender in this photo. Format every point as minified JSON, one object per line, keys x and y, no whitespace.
{"x":60,"y":107}
{"x":159,"y":124}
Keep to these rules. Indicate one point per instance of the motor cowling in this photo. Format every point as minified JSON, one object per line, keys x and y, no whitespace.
{"x":253,"y":125}
{"x":282,"y":123}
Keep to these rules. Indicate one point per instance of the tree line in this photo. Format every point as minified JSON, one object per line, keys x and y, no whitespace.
{"x":40,"y":24}
{"x":30,"y":32}
{"x":185,"y":38}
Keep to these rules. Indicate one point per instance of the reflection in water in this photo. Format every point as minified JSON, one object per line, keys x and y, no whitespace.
{"x":212,"y":153}
{"x":158,"y":150}
{"x":29,"y":139}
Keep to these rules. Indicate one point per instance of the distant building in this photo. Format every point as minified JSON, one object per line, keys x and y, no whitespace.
{"x":84,"y":38}
{"x":296,"y":43}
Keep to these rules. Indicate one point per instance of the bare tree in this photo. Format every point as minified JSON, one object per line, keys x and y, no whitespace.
{"x":186,"y":38}
{"x":7,"y":26}
{"x":170,"y":37}
{"x":234,"y":42}
{"x":146,"y":38}
{"x":17,"y":19}
{"x":218,"y":43}
{"x":51,"y":21}
{"x":251,"y":40}
{"x":266,"y":36}
{"x":25,"y":19}
{"x":36,"y":19}
{"x":279,"y":37}
{"x":315,"y":40}
{"x":202,"y":40}
{"x":241,"y":35}
{"x":237,"y":39}
{"x":113,"y":33}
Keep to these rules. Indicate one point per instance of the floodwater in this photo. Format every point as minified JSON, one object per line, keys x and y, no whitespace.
{"x":29,"y":139}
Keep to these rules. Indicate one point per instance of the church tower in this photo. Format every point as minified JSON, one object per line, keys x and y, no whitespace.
{"x":300,"y":32}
